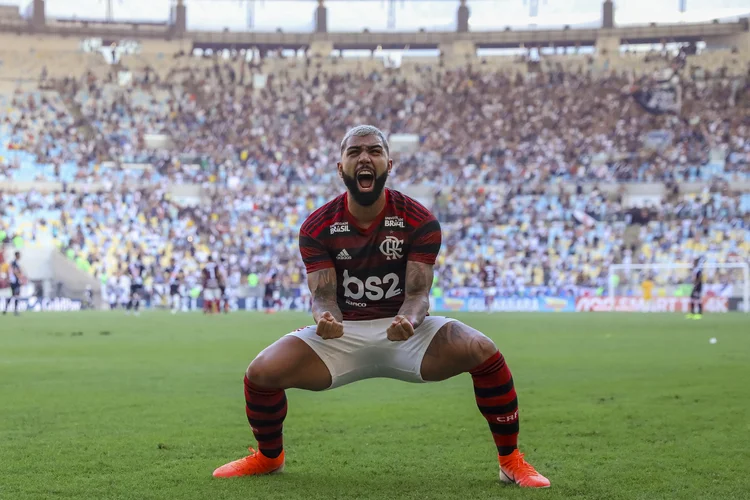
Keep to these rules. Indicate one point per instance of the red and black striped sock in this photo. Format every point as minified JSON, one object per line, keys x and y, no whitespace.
{"x":496,"y":399}
{"x":266,"y":411}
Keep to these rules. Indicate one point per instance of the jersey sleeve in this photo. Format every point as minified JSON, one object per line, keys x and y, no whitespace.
{"x":314,"y":254}
{"x":426,"y":242}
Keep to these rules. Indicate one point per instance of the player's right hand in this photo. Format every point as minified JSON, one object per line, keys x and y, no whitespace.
{"x":328,"y":327}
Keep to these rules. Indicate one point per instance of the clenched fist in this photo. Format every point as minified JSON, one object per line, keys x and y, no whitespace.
{"x":401,"y":329}
{"x":328,"y":327}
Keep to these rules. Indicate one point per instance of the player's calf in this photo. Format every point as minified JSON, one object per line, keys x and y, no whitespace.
{"x":266,"y":411}
{"x":287,"y":363}
{"x":458,"y":348}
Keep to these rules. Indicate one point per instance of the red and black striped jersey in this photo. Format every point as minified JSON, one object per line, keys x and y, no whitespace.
{"x":370,"y":263}
{"x":212,"y":277}
{"x":488,"y":275}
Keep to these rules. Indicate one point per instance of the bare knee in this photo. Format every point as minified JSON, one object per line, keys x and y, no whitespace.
{"x":289,"y":363}
{"x":482,"y":348}
{"x":456,"y":348}
{"x":262,"y":373}
{"x":472,"y":345}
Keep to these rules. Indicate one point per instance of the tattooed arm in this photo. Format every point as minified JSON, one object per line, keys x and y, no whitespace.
{"x":321,"y":275}
{"x":322,"y":285}
{"x":417,"y":300}
{"x":416,"y":303}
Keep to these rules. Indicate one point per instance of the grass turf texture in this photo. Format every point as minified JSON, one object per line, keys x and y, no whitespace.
{"x":613,"y":406}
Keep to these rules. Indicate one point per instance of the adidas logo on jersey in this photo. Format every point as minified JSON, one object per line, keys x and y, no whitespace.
{"x":343,"y":255}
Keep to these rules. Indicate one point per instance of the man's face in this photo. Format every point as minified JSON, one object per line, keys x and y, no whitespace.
{"x":364,"y":168}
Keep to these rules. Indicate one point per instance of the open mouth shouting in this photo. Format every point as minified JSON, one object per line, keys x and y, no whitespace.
{"x":365,"y":179}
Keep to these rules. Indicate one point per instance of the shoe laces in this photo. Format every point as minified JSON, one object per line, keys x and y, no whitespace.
{"x":252,"y":456}
{"x":521,"y":465}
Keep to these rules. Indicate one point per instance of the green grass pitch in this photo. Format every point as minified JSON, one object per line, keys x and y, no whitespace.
{"x":613,"y":406}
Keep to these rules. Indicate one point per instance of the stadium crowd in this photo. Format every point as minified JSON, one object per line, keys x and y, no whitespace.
{"x":473,"y":127}
{"x":260,"y":151}
{"x":558,"y":241}
{"x":549,"y":241}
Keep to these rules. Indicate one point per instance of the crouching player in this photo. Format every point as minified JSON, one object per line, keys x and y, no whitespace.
{"x":369,"y":255}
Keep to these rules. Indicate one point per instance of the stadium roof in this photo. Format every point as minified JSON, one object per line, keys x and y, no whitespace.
{"x":410,"y":15}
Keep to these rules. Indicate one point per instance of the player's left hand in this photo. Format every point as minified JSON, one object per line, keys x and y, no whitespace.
{"x":401,"y":329}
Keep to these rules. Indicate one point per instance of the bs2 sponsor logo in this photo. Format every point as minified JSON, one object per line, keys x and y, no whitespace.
{"x":373,"y":288}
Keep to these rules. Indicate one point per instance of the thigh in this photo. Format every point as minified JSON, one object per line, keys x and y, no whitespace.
{"x":289,"y":363}
{"x":456,"y":348}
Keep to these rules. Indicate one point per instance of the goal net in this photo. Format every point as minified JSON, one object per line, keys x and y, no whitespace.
{"x":667,"y":287}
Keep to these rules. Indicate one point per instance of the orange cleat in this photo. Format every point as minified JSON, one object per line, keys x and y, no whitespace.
{"x":514,"y":469}
{"x":255,"y":464}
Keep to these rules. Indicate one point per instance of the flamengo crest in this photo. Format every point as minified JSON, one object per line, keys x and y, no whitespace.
{"x":391,"y":247}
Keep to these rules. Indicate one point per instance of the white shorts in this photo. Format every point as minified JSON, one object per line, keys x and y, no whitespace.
{"x":364,"y":350}
{"x":211,"y":294}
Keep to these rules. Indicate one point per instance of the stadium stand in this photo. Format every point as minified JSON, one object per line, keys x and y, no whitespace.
{"x":535,"y":167}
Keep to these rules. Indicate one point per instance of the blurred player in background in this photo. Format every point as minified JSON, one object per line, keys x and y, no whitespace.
{"x":125,"y":289}
{"x":88,"y":298}
{"x":271,"y":292}
{"x":234,"y":282}
{"x":696,"y":295}
{"x":223,"y":298}
{"x":488,"y":275}
{"x":647,"y":290}
{"x":137,"y":271}
{"x":175,"y":280}
{"x":15,"y":280}
{"x":182,"y":292}
{"x":369,"y":255}
{"x":113,"y":290}
{"x":213,"y":281}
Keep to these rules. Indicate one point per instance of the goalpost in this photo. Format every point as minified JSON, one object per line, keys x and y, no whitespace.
{"x":676,"y":278}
